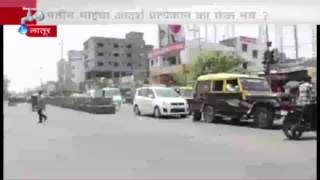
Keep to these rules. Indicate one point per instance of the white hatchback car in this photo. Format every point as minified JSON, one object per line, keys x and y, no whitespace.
{"x":159,"y":101}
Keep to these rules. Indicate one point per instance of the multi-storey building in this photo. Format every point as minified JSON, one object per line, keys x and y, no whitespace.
{"x":64,"y":76}
{"x":165,"y":65}
{"x":113,"y":58}
{"x":77,"y":67}
{"x":250,"y":49}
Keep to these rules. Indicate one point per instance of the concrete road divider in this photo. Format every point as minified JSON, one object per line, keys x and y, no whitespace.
{"x":86,"y":104}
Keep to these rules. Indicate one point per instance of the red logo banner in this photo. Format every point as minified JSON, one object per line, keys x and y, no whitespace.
{"x":41,"y":31}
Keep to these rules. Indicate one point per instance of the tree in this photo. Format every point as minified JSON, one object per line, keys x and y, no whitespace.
{"x":214,"y":62}
{"x":181,"y":79}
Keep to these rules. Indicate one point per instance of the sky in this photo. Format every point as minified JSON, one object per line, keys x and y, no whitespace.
{"x":28,"y":60}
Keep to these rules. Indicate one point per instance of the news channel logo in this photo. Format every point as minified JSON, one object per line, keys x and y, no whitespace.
{"x":38,"y":16}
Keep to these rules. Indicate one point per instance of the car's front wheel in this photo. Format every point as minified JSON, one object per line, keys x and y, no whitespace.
{"x":136,"y":110}
{"x":157,"y":112}
{"x":183,"y":116}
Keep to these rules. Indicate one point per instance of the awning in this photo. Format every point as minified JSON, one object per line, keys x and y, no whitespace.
{"x":166,"y":50}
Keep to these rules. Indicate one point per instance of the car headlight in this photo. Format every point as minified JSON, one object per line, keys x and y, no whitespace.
{"x":165,"y":104}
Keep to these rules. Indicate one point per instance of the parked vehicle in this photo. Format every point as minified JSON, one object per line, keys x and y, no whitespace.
{"x":299,"y":119}
{"x":186,"y":92}
{"x":159,"y":101}
{"x":115,"y":94}
{"x":235,"y":96}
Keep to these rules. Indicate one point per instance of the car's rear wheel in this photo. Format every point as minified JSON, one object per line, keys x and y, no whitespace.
{"x":263,"y":118}
{"x":136,"y":110}
{"x":196,"y":116}
{"x":157,"y":112}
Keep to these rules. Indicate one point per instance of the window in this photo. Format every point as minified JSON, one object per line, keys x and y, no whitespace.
{"x":73,"y":67}
{"x":150,"y":93}
{"x":244,"y":47}
{"x":116,"y":54}
{"x":129,"y":46}
{"x":85,"y":56}
{"x":203,"y":87}
{"x":86,"y":45}
{"x":128,"y":55}
{"x":100,"y":45}
{"x":142,"y":92}
{"x":86,"y":64}
{"x":232,"y":85}
{"x":116,"y":64}
{"x":218,"y":86}
{"x":116,"y":45}
{"x":255,"y":54}
{"x":100,"y":54}
{"x":100,"y":63}
{"x":129,"y":65}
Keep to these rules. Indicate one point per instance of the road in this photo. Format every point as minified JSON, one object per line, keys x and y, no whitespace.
{"x":78,"y":145}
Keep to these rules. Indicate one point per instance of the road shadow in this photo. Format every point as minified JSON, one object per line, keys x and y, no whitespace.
{"x":303,"y":138}
{"x":244,"y":123}
{"x":166,"y":117}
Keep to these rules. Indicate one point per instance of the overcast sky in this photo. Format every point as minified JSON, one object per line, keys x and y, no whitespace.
{"x":24,"y":56}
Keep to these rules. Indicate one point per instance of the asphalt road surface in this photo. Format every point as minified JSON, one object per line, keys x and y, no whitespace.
{"x":78,"y":145}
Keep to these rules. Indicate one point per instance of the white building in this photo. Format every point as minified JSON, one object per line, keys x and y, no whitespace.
{"x":77,"y":66}
{"x":179,"y":59}
{"x":250,"y":49}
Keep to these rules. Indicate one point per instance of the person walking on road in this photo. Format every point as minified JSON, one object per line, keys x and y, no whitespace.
{"x":41,"y":107}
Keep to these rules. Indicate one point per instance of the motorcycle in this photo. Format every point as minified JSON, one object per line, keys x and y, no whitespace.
{"x":299,"y":120}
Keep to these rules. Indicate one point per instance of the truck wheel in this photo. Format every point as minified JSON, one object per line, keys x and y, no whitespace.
{"x":196,"y":116}
{"x":208,"y":114}
{"x":263,"y":118}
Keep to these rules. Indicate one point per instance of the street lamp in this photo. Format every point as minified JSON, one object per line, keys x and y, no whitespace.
{"x":41,"y":77}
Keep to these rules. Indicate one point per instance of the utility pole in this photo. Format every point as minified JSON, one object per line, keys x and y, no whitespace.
{"x":215,"y":33}
{"x":296,"y":43}
{"x":195,"y":30}
{"x":61,"y":45}
{"x":267,"y":55}
{"x":206,"y":33}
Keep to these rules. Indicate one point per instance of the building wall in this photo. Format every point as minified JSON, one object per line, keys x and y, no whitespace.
{"x":253,"y":44}
{"x":77,"y":67}
{"x":64,"y":70}
{"x":116,"y":57}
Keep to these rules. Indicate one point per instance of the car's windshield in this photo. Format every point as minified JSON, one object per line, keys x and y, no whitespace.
{"x":187,"y":93}
{"x":112,"y":92}
{"x":255,"y":85}
{"x":166,"y":92}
